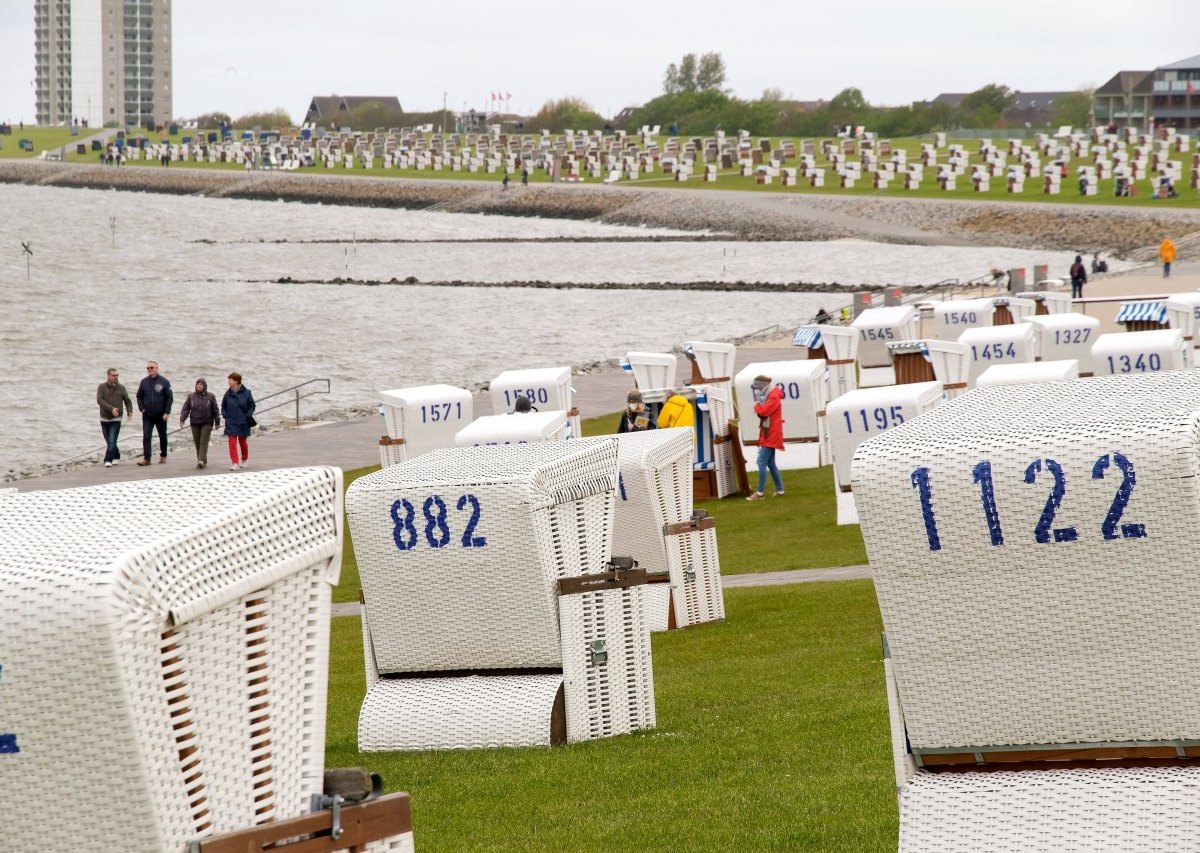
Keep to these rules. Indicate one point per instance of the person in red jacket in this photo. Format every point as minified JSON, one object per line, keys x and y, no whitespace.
{"x":768,"y":405}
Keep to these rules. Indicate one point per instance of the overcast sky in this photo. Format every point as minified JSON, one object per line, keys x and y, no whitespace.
{"x":237,"y":56}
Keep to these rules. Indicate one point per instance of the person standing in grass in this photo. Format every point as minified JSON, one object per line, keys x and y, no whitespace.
{"x":201,"y":406}
{"x":1166,"y":252}
{"x":1078,"y":277}
{"x":768,"y":405}
{"x":112,"y":397}
{"x":237,"y":408}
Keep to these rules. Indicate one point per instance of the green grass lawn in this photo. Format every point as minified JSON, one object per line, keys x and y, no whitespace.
{"x":43,"y":139}
{"x":772,"y":735}
{"x":733,"y":180}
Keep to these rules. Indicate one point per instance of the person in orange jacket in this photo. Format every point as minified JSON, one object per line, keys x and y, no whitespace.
{"x":768,"y":405}
{"x":1166,"y":251}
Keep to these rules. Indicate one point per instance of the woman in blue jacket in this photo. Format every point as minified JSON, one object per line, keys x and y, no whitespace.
{"x":237,"y":410}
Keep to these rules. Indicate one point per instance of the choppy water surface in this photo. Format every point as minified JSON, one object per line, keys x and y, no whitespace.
{"x":201,"y":309}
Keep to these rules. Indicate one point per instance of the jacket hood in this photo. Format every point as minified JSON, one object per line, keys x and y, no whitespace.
{"x":776,"y":392}
{"x":203,"y":383}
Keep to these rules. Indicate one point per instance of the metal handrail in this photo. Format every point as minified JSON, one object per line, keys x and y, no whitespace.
{"x":293,"y":390}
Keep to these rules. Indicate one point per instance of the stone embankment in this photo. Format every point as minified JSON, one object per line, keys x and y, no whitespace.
{"x":740,"y":214}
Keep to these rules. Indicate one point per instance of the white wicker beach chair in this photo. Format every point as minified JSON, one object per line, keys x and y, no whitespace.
{"x":998,"y":345}
{"x":856,"y":416}
{"x":952,"y":318}
{"x":1038,"y":371}
{"x":165,"y":656}
{"x":491,"y":617}
{"x":546,"y":388}
{"x":655,"y":525}
{"x":877,"y":327}
{"x":421,"y":419}
{"x":1033,"y":550}
{"x":1140,"y":352}
{"x":1066,"y":335}
{"x":714,"y":446}
{"x":514,"y":429}
{"x":1183,"y":309}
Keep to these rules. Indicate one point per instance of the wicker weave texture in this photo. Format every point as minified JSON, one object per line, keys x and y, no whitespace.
{"x":714,"y":359}
{"x":858,"y":415}
{"x":1067,"y":335}
{"x":951,"y":319}
{"x":615,"y":696}
{"x":514,"y":429}
{"x":877,"y":327}
{"x":469,"y":712}
{"x":1183,"y":309}
{"x":655,"y":490}
{"x":427,"y":417}
{"x":1051,"y":528}
{"x":516,"y":519}
{"x":392,"y":454}
{"x":653,"y":371}
{"x":203,"y":607}
{"x":1102,"y":809}
{"x":547,"y":388}
{"x":720,"y":410}
{"x":402,"y":843}
{"x":1140,"y":352}
{"x":998,"y":345}
{"x":1038,"y":371}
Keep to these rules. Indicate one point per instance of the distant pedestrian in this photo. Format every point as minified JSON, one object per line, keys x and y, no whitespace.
{"x":112,"y":397}
{"x":768,"y":405}
{"x":504,"y":183}
{"x":636,"y":417}
{"x":205,"y":413}
{"x":154,"y":399}
{"x":1166,"y":252}
{"x":524,"y":176}
{"x":237,"y":408}
{"x":1078,"y":277}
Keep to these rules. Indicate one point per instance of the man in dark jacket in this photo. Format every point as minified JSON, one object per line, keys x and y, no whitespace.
{"x":154,"y":399}
{"x":112,"y":398}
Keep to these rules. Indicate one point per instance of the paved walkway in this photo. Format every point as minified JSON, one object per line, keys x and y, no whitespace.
{"x":354,"y":443}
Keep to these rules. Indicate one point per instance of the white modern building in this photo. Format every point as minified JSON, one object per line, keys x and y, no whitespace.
{"x":103,"y":62}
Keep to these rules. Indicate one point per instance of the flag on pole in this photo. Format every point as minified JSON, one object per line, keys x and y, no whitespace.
{"x":1191,"y":88}
{"x":508,"y":95}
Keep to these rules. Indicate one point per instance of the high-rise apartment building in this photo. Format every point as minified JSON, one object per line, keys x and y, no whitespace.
{"x":103,"y":61}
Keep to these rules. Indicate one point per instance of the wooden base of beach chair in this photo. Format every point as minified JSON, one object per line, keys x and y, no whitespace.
{"x":381,"y":824}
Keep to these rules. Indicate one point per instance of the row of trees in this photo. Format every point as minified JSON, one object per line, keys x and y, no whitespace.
{"x":695,"y":101}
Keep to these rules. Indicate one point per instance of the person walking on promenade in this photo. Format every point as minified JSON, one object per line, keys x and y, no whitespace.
{"x":768,"y":405}
{"x":111,"y":396}
{"x":504,"y":183}
{"x":1166,"y":252}
{"x":677,"y":411}
{"x":237,"y":408}
{"x":1078,"y":277}
{"x":635,"y":418}
{"x":201,"y":406}
{"x":154,"y":399}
